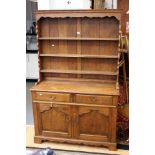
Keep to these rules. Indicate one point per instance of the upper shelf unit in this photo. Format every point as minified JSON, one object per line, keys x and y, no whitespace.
{"x":72,"y":44}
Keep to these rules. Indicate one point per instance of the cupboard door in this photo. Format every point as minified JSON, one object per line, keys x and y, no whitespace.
{"x":55,"y":120}
{"x":94,"y":123}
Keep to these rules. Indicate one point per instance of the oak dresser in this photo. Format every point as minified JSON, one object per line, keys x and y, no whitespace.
{"x":75,"y":98}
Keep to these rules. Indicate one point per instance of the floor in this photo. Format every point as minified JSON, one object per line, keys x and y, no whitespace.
{"x":31,"y":151}
{"x":29,"y":114}
{"x":30,"y":133}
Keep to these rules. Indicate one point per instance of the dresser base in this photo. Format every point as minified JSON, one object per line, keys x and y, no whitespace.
{"x":40,"y":139}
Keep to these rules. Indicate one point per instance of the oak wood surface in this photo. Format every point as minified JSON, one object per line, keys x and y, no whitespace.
{"x":74,"y":104}
{"x":72,"y":38}
{"x":42,"y":96}
{"x":78,"y":72}
{"x":79,"y":55}
{"x":78,"y":13}
{"x":94,"y":99}
{"x":77,"y":87}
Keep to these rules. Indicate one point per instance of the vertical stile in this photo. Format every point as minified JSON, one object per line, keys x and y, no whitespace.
{"x":71,"y":111}
{"x":49,"y":47}
{"x":120,"y":33}
{"x":78,"y":45}
{"x":39,"y":62}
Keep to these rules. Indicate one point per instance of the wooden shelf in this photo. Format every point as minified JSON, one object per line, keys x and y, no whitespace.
{"x":78,"y":72}
{"x":73,"y":38}
{"x":79,"y":56}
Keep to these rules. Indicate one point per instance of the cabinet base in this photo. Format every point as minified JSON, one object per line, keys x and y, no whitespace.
{"x":40,"y":139}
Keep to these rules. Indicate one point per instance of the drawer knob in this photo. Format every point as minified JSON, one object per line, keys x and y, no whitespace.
{"x":52,"y":98}
{"x":93,"y":99}
{"x":40,"y":94}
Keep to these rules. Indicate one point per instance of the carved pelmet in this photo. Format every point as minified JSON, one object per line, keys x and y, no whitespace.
{"x":78,"y":13}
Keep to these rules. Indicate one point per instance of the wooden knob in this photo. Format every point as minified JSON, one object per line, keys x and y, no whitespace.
{"x":93,"y":99}
{"x":52,"y":98}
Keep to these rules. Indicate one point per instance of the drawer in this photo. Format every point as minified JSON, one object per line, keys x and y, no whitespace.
{"x":94,"y":99}
{"x":44,"y":96}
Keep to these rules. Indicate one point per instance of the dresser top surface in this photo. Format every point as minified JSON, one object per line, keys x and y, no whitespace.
{"x":75,"y":86}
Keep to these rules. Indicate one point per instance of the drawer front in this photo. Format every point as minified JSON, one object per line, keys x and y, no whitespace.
{"x":94,"y":99}
{"x":44,"y":96}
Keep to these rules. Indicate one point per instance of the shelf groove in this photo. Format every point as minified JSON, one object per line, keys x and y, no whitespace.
{"x":73,"y":38}
{"x":78,"y":72}
{"x":79,"y":56}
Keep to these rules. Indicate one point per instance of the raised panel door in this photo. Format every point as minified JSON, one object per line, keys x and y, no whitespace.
{"x":93,"y":123}
{"x":54,"y":119}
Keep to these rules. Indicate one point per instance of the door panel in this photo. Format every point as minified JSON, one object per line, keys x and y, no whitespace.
{"x":93,"y":123}
{"x":55,"y":120}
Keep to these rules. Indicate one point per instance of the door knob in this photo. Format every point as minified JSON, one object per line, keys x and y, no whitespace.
{"x":67,"y":119}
